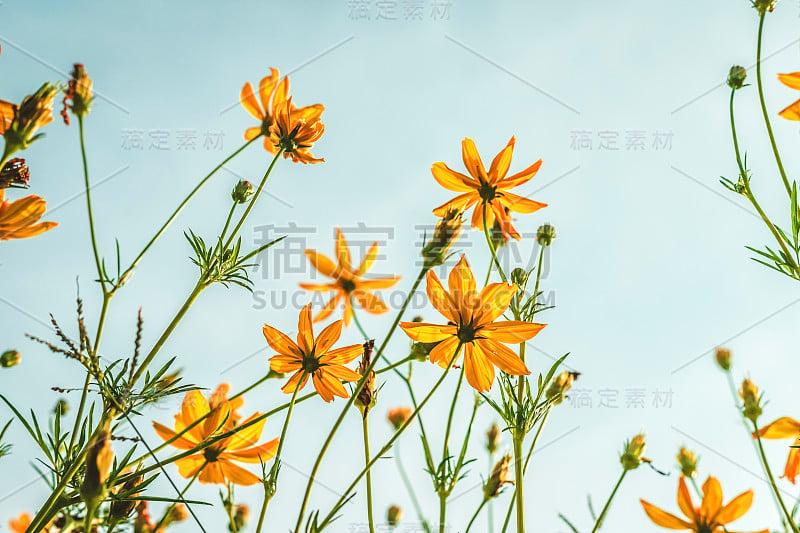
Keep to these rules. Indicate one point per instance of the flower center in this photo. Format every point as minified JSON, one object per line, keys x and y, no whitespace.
{"x":487,"y":192}
{"x":466,"y":333}
{"x":347,"y":285}
{"x":211,"y":455}
{"x":310,"y":363}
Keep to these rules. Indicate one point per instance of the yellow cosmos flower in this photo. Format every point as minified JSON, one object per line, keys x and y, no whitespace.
{"x":217,"y":463}
{"x":710,"y":517}
{"x":786,"y":428}
{"x":296,"y":134}
{"x":471,"y":320}
{"x":6,"y":115}
{"x":348,"y":282}
{"x":491,"y":188}
{"x":274,"y":95}
{"x":18,"y":219}
{"x":792,"y":81}
{"x":313,"y":357}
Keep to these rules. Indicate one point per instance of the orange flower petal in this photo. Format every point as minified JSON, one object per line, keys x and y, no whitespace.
{"x":248,"y":100}
{"x":735,"y":509}
{"x":342,"y":252}
{"x":472,"y":160}
{"x":442,"y":353}
{"x":237,"y":475}
{"x":461,"y":283}
{"x":212,"y":473}
{"x":342,"y":356}
{"x":252,"y":133}
{"x":369,"y":259}
{"x":285,"y":363}
{"x":369,"y":302}
{"x":181,"y":442}
{"x":439,"y":298}
{"x":266,"y":86}
{"x":792,"y":112}
{"x":328,"y":338}
{"x":378,"y":283}
{"x":511,"y":331}
{"x":324,"y":266}
{"x":246,"y":436}
{"x":685,"y":500}
{"x":520,"y":204}
{"x":493,"y":301}
{"x":194,"y":407}
{"x":501,"y":162}
{"x":477,"y":368}
{"x":791,"y":80}
{"x":256,"y":454}
{"x":422,"y":332}
{"x":462,"y":202}
{"x":189,"y":466}
{"x":280,"y":342}
{"x":520,"y":177}
{"x":665,"y":519}
{"x":782,"y":428}
{"x":328,"y":308}
{"x":292,"y":384}
{"x":342,"y":373}
{"x":305,"y":331}
{"x":712,"y":497}
{"x":792,"y":463}
{"x":503,"y":357}
{"x":452,"y":180}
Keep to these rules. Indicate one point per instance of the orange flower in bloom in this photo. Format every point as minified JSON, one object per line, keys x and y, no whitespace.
{"x":295,"y":134}
{"x":786,"y":428}
{"x":487,"y":188}
{"x":348,"y":282}
{"x":216,"y":463}
{"x":313,"y":357}
{"x":793,"y":81}
{"x":710,"y":517}
{"x":18,"y":219}
{"x":274,"y":95}
{"x":221,"y":395}
{"x":471,"y":321}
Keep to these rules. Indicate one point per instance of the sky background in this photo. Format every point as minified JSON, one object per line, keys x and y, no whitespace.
{"x":648,"y":272}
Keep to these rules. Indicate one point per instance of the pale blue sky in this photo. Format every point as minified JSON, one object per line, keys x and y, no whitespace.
{"x":648,"y":271}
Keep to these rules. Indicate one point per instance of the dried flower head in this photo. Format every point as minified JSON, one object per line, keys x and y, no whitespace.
{"x":498,"y":478}
{"x":98,"y":464}
{"x":78,"y":94}
{"x":15,"y":174}
{"x":34,"y":112}
{"x":367,"y":396}
{"x":493,"y":438}
{"x":560,"y":385}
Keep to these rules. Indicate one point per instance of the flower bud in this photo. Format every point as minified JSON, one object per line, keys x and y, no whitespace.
{"x":497,"y":235}
{"x":78,"y":94}
{"x":493,"y":438}
{"x":367,"y":396}
{"x":560,"y":385}
{"x":175,"y":514}
{"x":98,"y":463}
{"x":751,"y":400}
{"x":61,"y":408}
{"x":142,"y":523}
{"x":764,"y":6}
{"x":723,"y":358}
{"x":242,"y":192}
{"x":688,"y":462}
{"x":498,"y":478}
{"x":519,"y":277}
{"x":631,"y":456}
{"x":10,"y":358}
{"x":15,"y":174}
{"x":545,"y":235}
{"x":398,"y":416}
{"x":422,"y":350}
{"x":736,"y":77}
{"x":121,"y":509}
{"x":241,"y":515}
{"x":393,"y":515}
{"x":446,"y":233}
{"x":34,"y":112}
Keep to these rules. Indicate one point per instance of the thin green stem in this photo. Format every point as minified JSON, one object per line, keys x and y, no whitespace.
{"x":349,"y":403}
{"x":474,"y":516}
{"x":253,"y":200}
{"x":448,"y":427}
{"x":772,"y":483}
{"x":271,"y":483}
{"x":368,"y":478}
{"x":764,"y":107}
{"x":180,"y":208}
{"x":412,"y":494}
{"x":491,"y":246}
{"x":357,"y":321}
{"x":489,"y":271}
{"x":386,"y":447}
{"x":519,"y":481}
{"x":607,"y":506}
{"x":180,"y":498}
{"x":100,"y":275}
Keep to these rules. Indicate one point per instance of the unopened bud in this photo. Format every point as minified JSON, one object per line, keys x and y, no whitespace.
{"x":98,"y":463}
{"x":241,"y":516}
{"x":519,"y":277}
{"x":736,"y":77}
{"x":421,"y":350}
{"x":764,"y":6}
{"x":275,"y":375}
{"x":61,"y":408}
{"x":242,"y":192}
{"x":688,"y":462}
{"x":446,"y":233}
{"x":751,"y":400}
{"x":399,"y":416}
{"x":545,"y":235}
{"x":34,"y":112}
{"x":122,"y":508}
{"x":78,"y":94}
{"x":10,"y":358}
{"x":367,"y":396}
{"x":560,"y":385}
{"x":498,"y":477}
{"x":177,"y":513}
{"x":723,"y":358}
{"x":393,"y":515}
{"x":497,"y":236}
{"x":493,"y":439}
{"x":631,"y":456}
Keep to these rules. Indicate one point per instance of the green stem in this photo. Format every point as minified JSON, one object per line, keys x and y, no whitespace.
{"x":180,"y":208}
{"x":411,"y":492}
{"x":442,"y":511}
{"x":357,"y":321}
{"x":271,"y":484}
{"x":491,"y":247}
{"x":180,"y":498}
{"x":489,"y":271}
{"x":370,"y":518}
{"x":253,"y":200}
{"x":349,"y":403}
{"x":764,"y":107}
{"x":772,"y":483}
{"x":386,"y":447}
{"x":445,"y":450}
{"x":519,"y":481}
{"x":607,"y":506}
{"x":474,"y":516}
{"x":198,"y":288}
{"x":100,"y":276}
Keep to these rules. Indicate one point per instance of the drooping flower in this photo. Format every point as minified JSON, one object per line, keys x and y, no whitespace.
{"x":295,"y":134}
{"x":786,"y":428}
{"x":793,"y":82}
{"x":710,"y":517}
{"x":273,"y":95}
{"x":490,"y":188}
{"x":348,"y":282}
{"x":18,"y":219}
{"x":313,"y":357}
{"x":217,"y":463}
{"x":472,"y":323}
